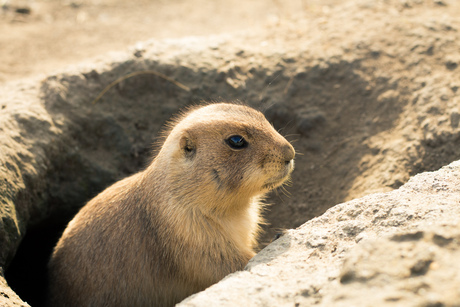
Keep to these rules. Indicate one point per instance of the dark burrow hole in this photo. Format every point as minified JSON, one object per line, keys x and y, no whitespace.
{"x":27,"y":273}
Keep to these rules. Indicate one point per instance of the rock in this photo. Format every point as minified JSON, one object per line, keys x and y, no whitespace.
{"x":400,"y":247}
{"x":7,"y":296}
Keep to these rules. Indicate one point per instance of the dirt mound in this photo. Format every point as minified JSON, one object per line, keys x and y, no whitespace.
{"x":367,"y":93}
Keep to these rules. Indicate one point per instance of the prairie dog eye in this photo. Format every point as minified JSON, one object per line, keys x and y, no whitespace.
{"x":237,"y":142}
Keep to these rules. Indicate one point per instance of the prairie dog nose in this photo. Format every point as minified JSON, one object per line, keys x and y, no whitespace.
{"x":288,"y":153}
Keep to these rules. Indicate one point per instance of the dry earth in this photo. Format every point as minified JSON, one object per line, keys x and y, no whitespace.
{"x":368,"y":91}
{"x":41,"y":36}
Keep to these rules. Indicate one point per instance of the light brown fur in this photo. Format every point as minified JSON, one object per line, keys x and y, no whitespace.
{"x":186,"y":221}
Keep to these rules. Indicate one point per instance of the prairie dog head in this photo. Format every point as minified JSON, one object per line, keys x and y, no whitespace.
{"x":227,"y":151}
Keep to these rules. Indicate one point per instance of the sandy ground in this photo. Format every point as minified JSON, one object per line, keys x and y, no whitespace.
{"x":41,"y":36}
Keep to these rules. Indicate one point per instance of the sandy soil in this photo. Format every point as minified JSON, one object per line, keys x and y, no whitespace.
{"x":40,"y":36}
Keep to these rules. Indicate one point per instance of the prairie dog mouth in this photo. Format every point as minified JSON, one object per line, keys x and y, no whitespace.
{"x":275,"y":182}
{"x":282,"y":175}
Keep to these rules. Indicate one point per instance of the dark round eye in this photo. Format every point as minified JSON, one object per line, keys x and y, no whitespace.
{"x":237,"y":142}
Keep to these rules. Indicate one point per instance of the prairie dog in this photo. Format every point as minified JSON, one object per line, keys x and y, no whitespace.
{"x":186,"y":221}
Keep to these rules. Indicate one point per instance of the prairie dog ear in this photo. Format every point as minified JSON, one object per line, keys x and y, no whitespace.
{"x":187,"y":145}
